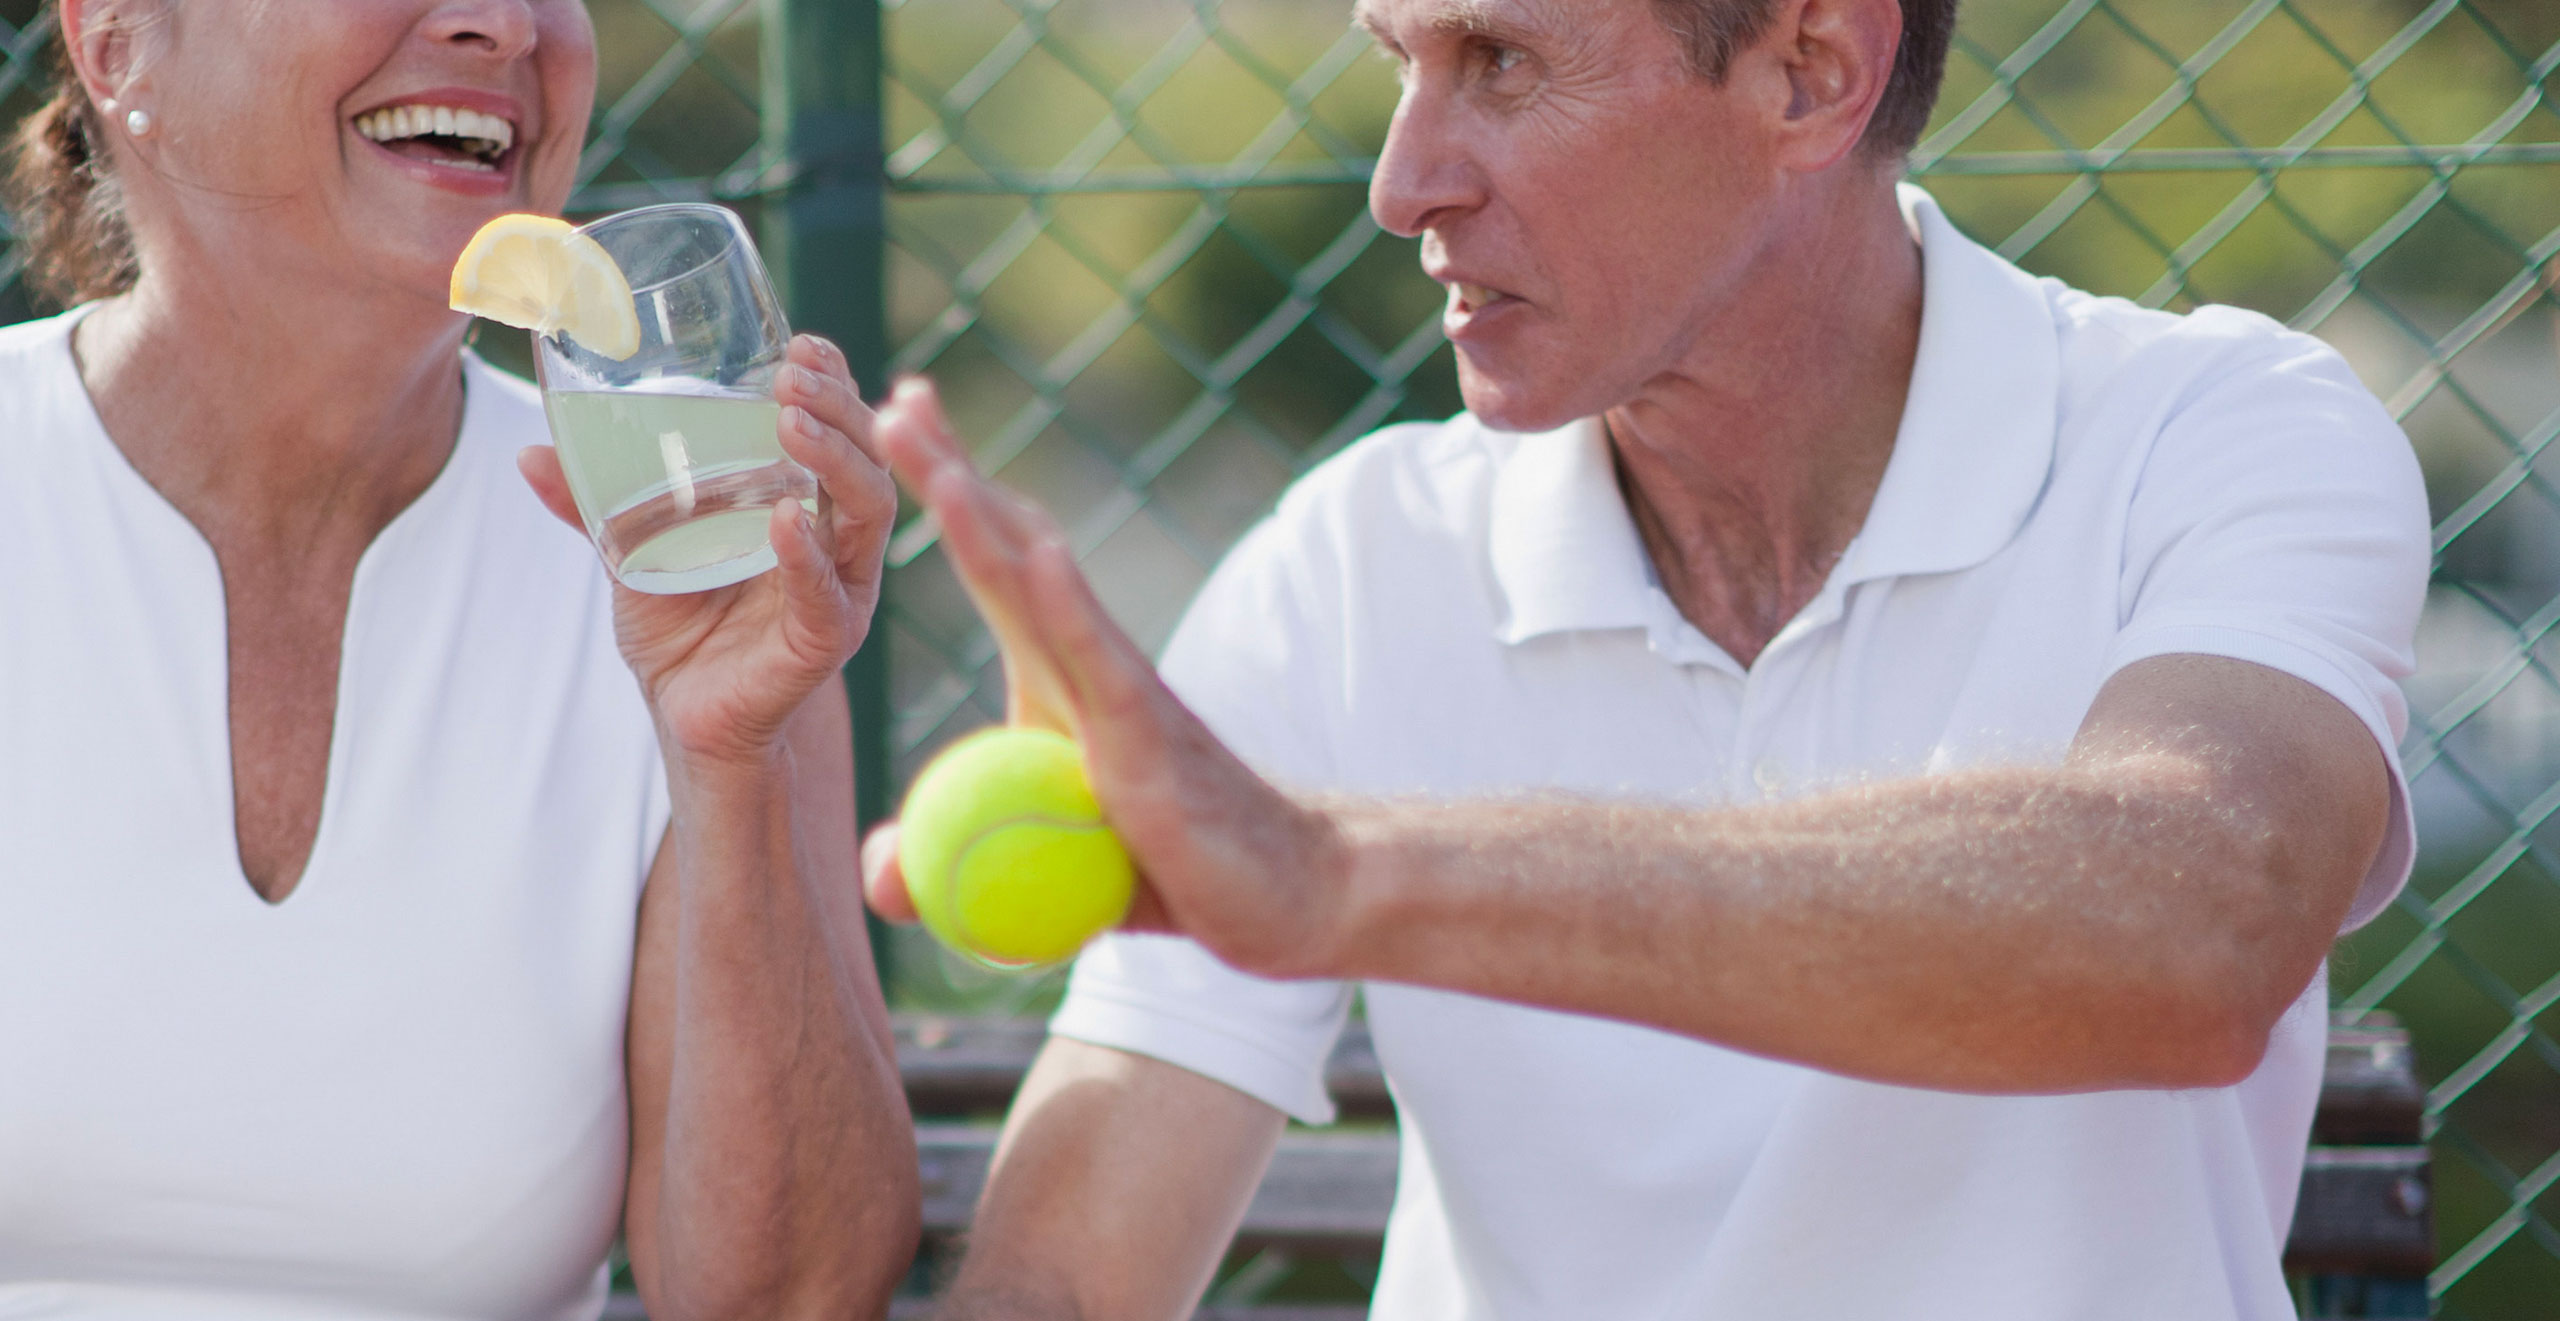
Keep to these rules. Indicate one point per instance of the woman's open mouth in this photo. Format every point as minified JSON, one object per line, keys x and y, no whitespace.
{"x":441,"y":135}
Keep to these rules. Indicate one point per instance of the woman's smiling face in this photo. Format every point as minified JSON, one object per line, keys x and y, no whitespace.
{"x":361,"y":140}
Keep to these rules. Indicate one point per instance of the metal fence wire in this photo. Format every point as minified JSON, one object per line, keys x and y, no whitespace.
{"x":1130,"y":238}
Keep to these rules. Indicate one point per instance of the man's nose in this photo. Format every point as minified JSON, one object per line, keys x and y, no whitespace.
{"x":1423,"y":169}
{"x":504,"y":28}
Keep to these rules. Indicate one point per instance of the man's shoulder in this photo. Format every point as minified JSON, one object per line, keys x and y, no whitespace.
{"x":1397,"y":522}
{"x":1413,"y":479}
{"x":2108,"y":341}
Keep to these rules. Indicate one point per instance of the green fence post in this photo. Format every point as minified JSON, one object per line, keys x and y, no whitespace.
{"x":822,"y":238}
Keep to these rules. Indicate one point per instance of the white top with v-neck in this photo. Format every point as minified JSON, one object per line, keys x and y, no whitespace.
{"x":400,"y":1091}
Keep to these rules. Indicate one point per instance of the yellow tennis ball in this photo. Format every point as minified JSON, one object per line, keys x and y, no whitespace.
{"x":1005,"y":853}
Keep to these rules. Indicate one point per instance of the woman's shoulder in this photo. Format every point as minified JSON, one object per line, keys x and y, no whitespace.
{"x":35,"y":358}
{"x":38,"y":337}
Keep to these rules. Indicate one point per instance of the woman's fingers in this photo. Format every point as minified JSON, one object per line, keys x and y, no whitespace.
{"x":860,"y":489}
{"x":884,"y":886}
{"x":814,"y":605}
{"x":819,"y":381}
{"x":826,"y":428}
{"x":540,"y":465}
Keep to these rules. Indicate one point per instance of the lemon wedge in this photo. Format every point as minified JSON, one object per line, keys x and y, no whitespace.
{"x":540,"y":273}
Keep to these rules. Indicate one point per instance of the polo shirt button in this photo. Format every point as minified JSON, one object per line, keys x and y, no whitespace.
{"x":1768,"y":775}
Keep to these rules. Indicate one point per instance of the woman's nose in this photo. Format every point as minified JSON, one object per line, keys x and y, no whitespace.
{"x":504,"y":28}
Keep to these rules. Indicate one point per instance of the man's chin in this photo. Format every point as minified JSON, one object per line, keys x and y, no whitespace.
{"x":1523,"y":407}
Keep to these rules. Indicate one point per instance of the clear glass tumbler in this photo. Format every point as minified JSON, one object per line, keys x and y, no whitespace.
{"x":673,"y":453}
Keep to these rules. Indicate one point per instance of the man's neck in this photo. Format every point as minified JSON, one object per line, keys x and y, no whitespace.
{"x":1750,"y":466}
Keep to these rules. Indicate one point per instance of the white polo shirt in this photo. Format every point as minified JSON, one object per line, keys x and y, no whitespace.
{"x":2078,"y":484}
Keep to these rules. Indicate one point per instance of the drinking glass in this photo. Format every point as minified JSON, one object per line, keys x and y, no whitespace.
{"x":672,"y":452}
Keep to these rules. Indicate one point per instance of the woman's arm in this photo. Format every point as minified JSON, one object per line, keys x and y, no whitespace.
{"x":773,"y":1171}
{"x":773,"y":1168}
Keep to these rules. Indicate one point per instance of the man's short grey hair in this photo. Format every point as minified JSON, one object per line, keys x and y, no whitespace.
{"x":1715,"y":31}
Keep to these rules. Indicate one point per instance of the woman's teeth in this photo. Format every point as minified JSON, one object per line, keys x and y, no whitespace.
{"x":1475,"y":295}
{"x":477,"y":139}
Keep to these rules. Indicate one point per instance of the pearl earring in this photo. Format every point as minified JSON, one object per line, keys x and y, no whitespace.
{"x":138,"y":122}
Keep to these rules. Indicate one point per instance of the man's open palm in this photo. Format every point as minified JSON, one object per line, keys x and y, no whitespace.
{"x":1223,"y":856}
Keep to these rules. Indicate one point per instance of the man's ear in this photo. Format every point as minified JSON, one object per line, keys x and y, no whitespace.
{"x":105,"y":40}
{"x":1837,"y":57}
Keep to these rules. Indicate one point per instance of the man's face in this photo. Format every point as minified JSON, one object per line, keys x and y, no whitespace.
{"x":1587,"y":199}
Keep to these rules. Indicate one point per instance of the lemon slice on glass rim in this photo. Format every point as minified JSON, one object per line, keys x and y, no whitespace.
{"x":540,"y":273}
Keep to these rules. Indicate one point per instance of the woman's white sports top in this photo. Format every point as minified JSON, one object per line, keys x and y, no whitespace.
{"x":399,"y":1092}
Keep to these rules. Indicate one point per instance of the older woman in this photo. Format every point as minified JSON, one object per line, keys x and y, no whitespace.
{"x":371,"y":944}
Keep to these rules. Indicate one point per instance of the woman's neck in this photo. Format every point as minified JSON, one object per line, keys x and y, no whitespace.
{"x":289,"y":419}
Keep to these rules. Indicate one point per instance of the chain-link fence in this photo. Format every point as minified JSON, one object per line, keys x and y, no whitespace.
{"x":1129,"y":236}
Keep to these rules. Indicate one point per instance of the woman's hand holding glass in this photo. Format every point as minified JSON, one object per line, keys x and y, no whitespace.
{"x":725,"y":669}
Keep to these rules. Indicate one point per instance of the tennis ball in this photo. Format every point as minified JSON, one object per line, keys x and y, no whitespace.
{"x":1005,"y":853}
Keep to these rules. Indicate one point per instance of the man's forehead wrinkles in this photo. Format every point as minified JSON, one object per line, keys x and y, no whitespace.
{"x":1464,"y":17}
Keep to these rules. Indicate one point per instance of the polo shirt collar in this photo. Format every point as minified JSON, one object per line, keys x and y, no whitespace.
{"x":1565,"y":550}
{"x":1976,"y":443}
{"x":1969,"y":461}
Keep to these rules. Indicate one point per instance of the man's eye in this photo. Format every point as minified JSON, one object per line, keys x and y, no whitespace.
{"x":1502,"y":59}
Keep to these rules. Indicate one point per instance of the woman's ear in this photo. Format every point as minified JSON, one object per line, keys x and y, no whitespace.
{"x":105,"y":40}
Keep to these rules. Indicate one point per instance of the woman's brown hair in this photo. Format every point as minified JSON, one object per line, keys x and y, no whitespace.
{"x":62,"y":194}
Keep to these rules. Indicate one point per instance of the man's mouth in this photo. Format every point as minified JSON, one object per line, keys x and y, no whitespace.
{"x":1470,"y":297}
{"x":442,"y":135}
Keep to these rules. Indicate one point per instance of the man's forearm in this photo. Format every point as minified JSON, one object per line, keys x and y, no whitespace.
{"x":2001,"y":930}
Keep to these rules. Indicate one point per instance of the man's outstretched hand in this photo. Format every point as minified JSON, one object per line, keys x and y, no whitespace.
{"x":1222,"y":856}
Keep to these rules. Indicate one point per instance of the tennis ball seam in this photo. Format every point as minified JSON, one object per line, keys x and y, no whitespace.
{"x":955,"y":909}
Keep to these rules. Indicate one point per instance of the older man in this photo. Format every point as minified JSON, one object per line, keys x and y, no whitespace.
{"x":1837,"y":774}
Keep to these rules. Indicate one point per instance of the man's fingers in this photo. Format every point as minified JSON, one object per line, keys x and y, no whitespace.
{"x":540,"y":465}
{"x":978,"y":537}
{"x":916,"y":440}
{"x":987,"y":536}
{"x":884,"y":886}
{"x":1108,"y":670}
{"x":916,"y":436}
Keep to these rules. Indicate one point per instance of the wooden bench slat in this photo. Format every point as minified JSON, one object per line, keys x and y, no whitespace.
{"x":2369,"y":1092}
{"x":2364,"y":1210}
{"x":960,"y":1066}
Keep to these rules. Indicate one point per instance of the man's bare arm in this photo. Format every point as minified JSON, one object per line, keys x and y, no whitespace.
{"x":2140,"y":915}
{"x":1115,"y":1189}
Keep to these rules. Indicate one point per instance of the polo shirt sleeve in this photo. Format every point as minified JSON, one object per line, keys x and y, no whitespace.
{"x":1250,"y":658}
{"x":2281,"y":519}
